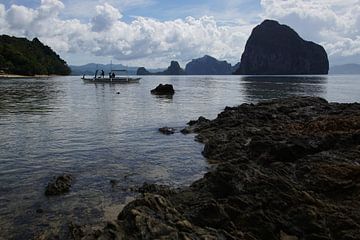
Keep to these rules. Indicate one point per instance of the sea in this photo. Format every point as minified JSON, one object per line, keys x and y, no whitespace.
{"x":107,"y":137}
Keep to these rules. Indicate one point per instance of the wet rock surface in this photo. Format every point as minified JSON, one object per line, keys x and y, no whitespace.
{"x":166,"y":89}
{"x":167,"y":130}
{"x":59,"y":185}
{"x":287,"y":169}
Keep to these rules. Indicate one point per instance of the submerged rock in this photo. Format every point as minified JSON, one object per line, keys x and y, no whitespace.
{"x":275,"y":49}
{"x":59,"y":185}
{"x":161,"y":89}
{"x":167,"y":130}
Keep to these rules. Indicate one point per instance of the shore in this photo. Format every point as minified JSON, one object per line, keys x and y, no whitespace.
{"x":9,"y":76}
{"x":287,"y":169}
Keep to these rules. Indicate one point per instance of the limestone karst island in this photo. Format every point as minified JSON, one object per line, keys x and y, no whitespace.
{"x":179,"y":120}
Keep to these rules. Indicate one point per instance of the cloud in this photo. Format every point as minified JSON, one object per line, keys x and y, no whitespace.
{"x":20,"y":16}
{"x":153,"y":43}
{"x":140,"y":41}
{"x":333,"y":23}
{"x":106,"y":17}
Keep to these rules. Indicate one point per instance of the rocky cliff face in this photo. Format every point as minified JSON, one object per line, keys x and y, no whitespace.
{"x":208,"y":65}
{"x":174,"y":69}
{"x":142,"y":71}
{"x":277,"y":49}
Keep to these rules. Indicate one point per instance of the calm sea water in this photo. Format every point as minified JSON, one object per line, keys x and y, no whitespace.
{"x":61,"y":125}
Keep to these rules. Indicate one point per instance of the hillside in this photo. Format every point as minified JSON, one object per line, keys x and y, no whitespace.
{"x":25,"y":57}
{"x":208,"y":65}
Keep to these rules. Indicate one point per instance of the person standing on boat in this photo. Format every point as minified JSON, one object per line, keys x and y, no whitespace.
{"x":102,"y":73}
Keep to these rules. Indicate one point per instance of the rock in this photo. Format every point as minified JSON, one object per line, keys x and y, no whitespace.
{"x":275,"y":49}
{"x":208,"y":65}
{"x":161,"y":89}
{"x":156,"y":189}
{"x":167,"y":130}
{"x":59,"y":185}
{"x":173,"y":69}
{"x":286,"y":169}
{"x":195,"y":125}
{"x":142,"y":71}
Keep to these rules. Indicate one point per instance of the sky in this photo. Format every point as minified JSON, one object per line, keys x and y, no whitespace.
{"x":151,"y":33}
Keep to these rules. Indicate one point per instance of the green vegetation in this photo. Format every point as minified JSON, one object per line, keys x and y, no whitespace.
{"x":24,"y":57}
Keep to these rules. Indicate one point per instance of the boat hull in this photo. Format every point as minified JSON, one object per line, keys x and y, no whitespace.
{"x":111,"y":80}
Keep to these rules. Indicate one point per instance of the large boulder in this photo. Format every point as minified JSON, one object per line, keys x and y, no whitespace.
{"x":275,"y":49}
{"x":208,"y":65}
{"x":161,"y":89}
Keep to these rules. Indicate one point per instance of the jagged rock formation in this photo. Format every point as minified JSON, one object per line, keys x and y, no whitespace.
{"x":173,"y":69}
{"x":142,"y":71}
{"x":208,"y":65}
{"x":24,"y":57}
{"x":287,"y":169}
{"x":277,"y":49}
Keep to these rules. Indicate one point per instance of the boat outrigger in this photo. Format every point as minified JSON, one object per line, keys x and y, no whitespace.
{"x":115,"y":76}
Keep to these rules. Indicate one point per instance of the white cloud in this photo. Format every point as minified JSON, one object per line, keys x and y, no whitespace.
{"x":20,"y":16}
{"x":106,"y":17}
{"x":153,"y":43}
{"x":140,"y":41}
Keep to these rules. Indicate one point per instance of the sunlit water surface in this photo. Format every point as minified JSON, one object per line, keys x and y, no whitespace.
{"x":61,"y":125}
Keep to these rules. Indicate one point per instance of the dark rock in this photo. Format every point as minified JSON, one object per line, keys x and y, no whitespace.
{"x":39,"y":210}
{"x":195,"y":125}
{"x":161,"y":89}
{"x":142,"y":71}
{"x":162,"y":190}
{"x":208,"y":65}
{"x":167,"y":130}
{"x":59,"y":185}
{"x":286,"y":169}
{"x":173,"y":69}
{"x":275,"y":49}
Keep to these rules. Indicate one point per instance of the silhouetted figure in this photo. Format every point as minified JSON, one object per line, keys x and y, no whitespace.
{"x":113,"y":75}
{"x":96,"y":72}
{"x":102,"y":73}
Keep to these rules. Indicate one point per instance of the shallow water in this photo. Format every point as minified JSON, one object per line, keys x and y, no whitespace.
{"x":56,"y":125}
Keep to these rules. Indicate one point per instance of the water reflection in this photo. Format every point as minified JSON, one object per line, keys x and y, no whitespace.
{"x":256,"y":88}
{"x":25,"y":96}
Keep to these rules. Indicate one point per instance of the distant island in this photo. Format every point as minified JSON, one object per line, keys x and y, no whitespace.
{"x":24,"y":57}
{"x":206,"y":65}
{"x":275,"y":49}
{"x":350,"y":68}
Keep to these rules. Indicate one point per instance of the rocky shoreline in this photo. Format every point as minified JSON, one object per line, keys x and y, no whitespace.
{"x":287,"y":169}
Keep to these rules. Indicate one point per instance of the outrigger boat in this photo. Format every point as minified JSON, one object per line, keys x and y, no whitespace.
{"x":111,"y":78}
